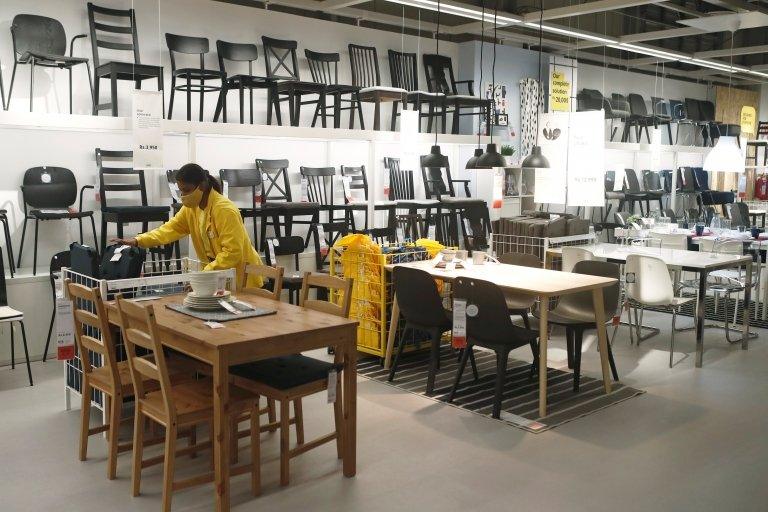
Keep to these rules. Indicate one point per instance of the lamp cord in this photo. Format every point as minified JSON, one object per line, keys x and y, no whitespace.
{"x":538,"y":85}
{"x":482,"y":44}
{"x":493,"y":67}
{"x":437,"y":47}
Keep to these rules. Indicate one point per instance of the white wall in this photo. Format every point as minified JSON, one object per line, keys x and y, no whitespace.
{"x":206,"y":18}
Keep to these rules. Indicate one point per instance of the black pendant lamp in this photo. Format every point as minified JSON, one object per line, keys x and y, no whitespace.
{"x":492,"y":158}
{"x":435,"y":158}
{"x":472,"y":162}
{"x":536,"y":159}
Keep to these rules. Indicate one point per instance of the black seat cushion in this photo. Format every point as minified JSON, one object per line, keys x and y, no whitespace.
{"x":199,"y":74}
{"x":148,"y":210}
{"x":54,"y":215}
{"x":296,"y":85}
{"x":286,"y":372}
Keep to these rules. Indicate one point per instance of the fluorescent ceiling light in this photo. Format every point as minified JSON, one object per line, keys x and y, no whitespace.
{"x":653,"y":52}
{"x":572,"y":33}
{"x":758,"y":73}
{"x":455,"y":10}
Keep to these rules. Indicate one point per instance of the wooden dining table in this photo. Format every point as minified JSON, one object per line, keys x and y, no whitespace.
{"x":539,"y":282}
{"x":290,"y":330}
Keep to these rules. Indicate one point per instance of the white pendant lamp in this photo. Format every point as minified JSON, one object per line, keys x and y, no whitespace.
{"x":726,"y":156}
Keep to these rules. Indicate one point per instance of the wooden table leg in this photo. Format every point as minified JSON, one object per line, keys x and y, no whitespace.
{"x":221,"y":430}
{"x":349,"y":395}
{"x":392,"y":332}
{"x":602,"y":337}
{"x":543,"y":334}
{"x":745,"y":304}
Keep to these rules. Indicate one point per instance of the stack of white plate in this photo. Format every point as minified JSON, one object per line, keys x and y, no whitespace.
{"x":206,"y":302}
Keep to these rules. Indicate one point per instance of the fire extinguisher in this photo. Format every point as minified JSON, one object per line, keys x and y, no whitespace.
{"x":761,"y":187}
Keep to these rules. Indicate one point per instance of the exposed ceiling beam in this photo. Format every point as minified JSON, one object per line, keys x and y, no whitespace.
{"x":660,"y":34}
{"x":744,"y":50}
{"x":585,"y":8}
{"x":738,"y":5}
{"x":679,"y":8}
{"x":467,"y":28}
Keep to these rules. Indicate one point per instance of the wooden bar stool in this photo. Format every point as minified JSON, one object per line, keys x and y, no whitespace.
{"x":291,"y":378}
{"x":112,"y":378}
{"x":175,"y":406}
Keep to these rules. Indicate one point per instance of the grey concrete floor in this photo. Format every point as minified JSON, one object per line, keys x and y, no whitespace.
{"x":695,"y":441}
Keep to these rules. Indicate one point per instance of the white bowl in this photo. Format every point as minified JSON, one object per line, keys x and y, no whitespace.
{"x":448,"y":254}
{"x":204,"y":284}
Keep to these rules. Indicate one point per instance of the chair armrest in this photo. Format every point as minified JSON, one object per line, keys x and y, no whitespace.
{"x":466,"y":185}
{"x":469,"y":83}
{"x":72,"y":42}
{"x":83,"y":189}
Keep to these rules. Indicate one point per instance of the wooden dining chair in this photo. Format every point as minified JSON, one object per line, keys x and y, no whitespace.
{"x":274,"y":274}
{"x":93,"y":337}
{"x":174,"y":405}
{"x":290,"y":378}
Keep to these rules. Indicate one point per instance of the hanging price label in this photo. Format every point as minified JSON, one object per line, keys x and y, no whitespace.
{"x":399,"y":235}
{"x":225,"y":188}
{"x":459,"y":333}
{"x":304,"y":190}
{"x":65,"y":330}
{"x":431,"y":232}
{"x":346,"y":183}
{"x":271,"y":249}
{"x":323,"y":242}
{"x":174,"y":188}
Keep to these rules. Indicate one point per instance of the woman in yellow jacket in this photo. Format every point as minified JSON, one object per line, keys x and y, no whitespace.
{"x":212,"y":221}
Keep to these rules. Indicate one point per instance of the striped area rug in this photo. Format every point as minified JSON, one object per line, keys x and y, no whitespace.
{"x":520,"y":406}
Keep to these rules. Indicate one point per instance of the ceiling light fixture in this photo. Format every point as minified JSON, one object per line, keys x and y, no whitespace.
{"x":492,"y":158}
{"x":456,"y":10}
{"x":536,"y":159}
{"x":435,"y":158}
{"x":472,"y":162}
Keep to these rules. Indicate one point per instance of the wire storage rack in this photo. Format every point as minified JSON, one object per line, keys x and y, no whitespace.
{"x":372,"y":292}
{"x":538,"y":246}
{"x":158,"y":278}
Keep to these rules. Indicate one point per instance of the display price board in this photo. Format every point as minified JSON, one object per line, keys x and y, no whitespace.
{"x":559,"y":92}
{"x":147,"y":130}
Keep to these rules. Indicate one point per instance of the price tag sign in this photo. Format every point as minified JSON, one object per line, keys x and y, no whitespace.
{"x":332,"y":380}
{"x":174,"y":188}
{"x":65,"y":330}
{"x":271,"y":248}
{"x":399,"y":235}
{"x":304,"y":190}
{"x":459,"y":333}
{"x":323,"y":243}
{"x":431,"y":232}
{"x":258,"y":199}
{"x":225,"y":188}
{"x":346,"y":183}
{"x":147,"y":110}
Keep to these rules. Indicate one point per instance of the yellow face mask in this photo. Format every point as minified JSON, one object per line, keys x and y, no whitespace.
{"x":192,"y":200}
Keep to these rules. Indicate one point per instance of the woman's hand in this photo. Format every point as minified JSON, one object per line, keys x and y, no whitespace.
{"x":125,"y":241}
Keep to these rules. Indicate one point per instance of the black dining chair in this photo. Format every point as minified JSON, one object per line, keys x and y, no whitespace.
{"x":422,"y":309}
{"x":662,"y":114}
{"x":116,"y":174}
{"x":325,"y":70}
{"x":48,"y":193}
{"x":187,"y":45}
{"x":520,"y":303}
{"x":251,"y":181}
{"x":403,"y":74}
{"x":321,"y":190}
{"x":440,"y":79}
{"x":239,"y":53}
{"x":2,"y":90}
{"x":287,"y":246}
{"x":364,"y":63}
{"x":42,"y":41}
{"x":58,"y":261}
{"x":8,"y":243}
{"x":11,"y":316}
{"x":282,"y":65}
{"x":357,"y":180}
{"x":401,"y":190}
{"x":493,"y":329}
{"x":115,"y":30}
{"x":576,"y":312}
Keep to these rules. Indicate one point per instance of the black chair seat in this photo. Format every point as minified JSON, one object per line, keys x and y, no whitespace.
{"x":418,"y":203}
{"x":286,"y":372}
{"x":148,"y":210}
{"x":129,"y":71}
{"x":292,"y":206}
{"x":460,"y":202}
{"x":713,"y":197}
{"x":299,"y":86}
{"x":199,"y":74}
{"x":655,"y":194}
{"x":51,"y":59}
{"x":249,"y":81}
{"x":341,"y":89}
{"x":614,"y":195}
{"x":54,"y":215}
{"x":620,"y":114}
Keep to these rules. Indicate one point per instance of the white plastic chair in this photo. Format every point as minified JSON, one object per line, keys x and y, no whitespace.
{"x":572,"y":255}
{"x":648,"y":284}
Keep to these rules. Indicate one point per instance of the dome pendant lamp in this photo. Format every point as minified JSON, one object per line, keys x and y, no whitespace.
{"x":492,"y":158}
{"x":472,"y":162}
{"x":435,"y":158}
{"x":536,"y":160}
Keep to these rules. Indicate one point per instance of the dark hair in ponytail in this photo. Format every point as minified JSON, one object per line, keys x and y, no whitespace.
{"x":196,"y":175}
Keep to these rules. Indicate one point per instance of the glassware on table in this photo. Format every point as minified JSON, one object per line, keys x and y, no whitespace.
{"x":665,"y":223}
{"x":699,"y":228}
{"x":725,"y":225}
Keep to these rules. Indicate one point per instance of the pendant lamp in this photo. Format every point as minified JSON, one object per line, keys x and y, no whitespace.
{"x":472,"y":162}
{"x":726,"y":156}
{"x":536,"y":159}
{"x":435,"y":158}
{"x":492,"y":158}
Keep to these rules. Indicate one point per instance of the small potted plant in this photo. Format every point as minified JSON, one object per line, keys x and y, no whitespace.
{"x":507,"y":150}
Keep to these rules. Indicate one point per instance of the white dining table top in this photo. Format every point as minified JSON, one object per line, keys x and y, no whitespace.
{"x":672,"y":257}
{"x":535,"y":281}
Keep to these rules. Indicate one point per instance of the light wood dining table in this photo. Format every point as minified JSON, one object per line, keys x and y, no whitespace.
{"x":290,"y":330}
{"x":539,"y":282}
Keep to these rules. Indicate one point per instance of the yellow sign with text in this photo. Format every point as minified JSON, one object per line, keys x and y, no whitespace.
{"x":559,"y":92}
{"x":748,"y":117}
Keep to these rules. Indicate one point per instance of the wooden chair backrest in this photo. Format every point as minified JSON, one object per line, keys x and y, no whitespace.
{"x":330,"y":283}
{"x":92,"y":333}
{"x":267,"y":272}
{"x":140,"y":330}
